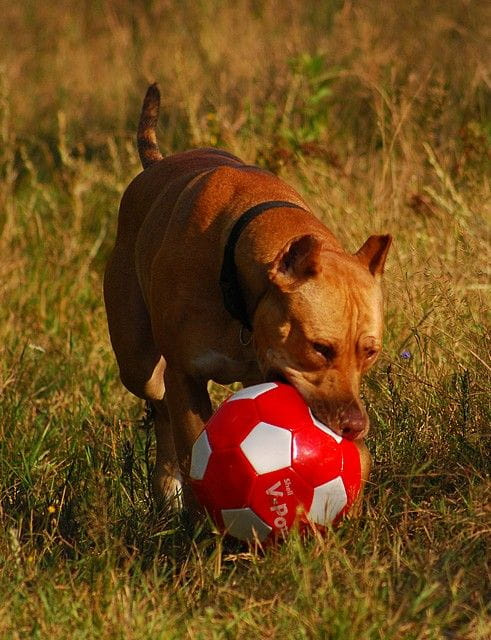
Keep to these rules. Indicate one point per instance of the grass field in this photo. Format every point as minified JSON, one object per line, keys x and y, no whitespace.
{"x":378,"y":113}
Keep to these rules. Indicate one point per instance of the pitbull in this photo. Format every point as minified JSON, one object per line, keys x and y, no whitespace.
{"x":221,"y":272}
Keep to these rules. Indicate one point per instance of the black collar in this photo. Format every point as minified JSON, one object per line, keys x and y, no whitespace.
{"x":233,"y":298}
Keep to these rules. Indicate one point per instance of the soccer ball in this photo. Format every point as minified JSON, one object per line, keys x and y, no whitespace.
{"x":263,"y":463}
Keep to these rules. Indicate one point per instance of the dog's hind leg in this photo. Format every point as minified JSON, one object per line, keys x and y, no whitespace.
{"x":141,"y":366}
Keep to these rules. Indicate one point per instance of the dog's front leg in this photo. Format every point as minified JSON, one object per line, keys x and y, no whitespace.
{"x":167,"y":480}
{"x":366,"y":465}
{"x":189,"y":408}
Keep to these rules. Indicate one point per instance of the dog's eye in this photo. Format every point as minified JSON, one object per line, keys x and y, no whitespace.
{"x":371,"y":354}
{"x":327,"y":351}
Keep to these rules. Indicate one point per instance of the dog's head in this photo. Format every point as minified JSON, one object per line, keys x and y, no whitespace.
{"x":319,"y":326}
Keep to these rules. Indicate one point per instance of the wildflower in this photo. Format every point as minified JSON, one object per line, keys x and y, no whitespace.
{"x":51,"y":508}
{"x":405,"y":355}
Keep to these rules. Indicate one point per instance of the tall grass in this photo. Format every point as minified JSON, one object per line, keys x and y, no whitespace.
{"x":377,"y":113}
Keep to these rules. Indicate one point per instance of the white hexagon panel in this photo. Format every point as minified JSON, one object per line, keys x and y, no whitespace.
{"x":323,"y":427}
{"x":268,"y":448}
{"x":328,"y":500}
{"x":199,"y":456}
{"x":251,"y":393}
{"x":244,"y":524}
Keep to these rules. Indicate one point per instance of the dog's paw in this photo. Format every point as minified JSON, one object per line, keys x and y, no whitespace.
{"x":168,"y":490}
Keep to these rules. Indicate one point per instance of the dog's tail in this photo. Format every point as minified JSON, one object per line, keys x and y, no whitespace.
{"x":148,"y":149}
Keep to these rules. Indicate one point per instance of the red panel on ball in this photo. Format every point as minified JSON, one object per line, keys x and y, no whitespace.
{"x":228,"y":480}
{"x":316,"y":456}
{"x":279,"y":498}
{"x":284,"y":407}
{"x":231,"y":423}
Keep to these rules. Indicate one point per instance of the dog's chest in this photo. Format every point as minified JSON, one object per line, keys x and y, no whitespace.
{"x":214,"y":365}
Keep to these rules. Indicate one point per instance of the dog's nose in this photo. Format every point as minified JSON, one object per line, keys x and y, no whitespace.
{"x":353,"y":423}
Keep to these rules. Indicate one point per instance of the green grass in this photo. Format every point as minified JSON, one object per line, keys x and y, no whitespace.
{"x":376,"y":112}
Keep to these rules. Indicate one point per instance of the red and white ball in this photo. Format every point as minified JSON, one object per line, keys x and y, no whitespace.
{"x":263,"y":463}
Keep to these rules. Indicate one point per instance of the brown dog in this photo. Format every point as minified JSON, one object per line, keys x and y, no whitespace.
{"x":220,"y":272}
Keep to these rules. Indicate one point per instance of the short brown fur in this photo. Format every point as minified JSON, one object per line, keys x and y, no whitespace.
{"x":316,"y":310}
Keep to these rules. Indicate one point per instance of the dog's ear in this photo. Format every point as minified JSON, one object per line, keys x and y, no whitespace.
{"x":298,"y":260}
{"x":373,"y":253}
